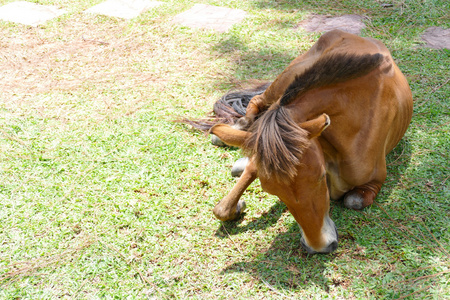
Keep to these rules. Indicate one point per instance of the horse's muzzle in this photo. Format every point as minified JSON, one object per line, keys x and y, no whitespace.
{"x":331,"y":247}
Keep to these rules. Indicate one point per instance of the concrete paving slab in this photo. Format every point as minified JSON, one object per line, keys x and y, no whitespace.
{"x":27,"y":13}
{"x":320,"y":23}
{"x":125,"y":9}
{"x":205,"y":16}
{"x":437,"y":38}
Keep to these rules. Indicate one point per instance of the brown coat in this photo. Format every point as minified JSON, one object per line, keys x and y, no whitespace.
{"x":352,"y":87}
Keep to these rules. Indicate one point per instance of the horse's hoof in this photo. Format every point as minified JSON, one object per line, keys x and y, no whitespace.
{"x":241,"y":206}
{"x":358,"y":199}
{"x":226,"y":215}
{"x":216,"y":141}
{"x":239,"y":167}
{"x":353,"y":201}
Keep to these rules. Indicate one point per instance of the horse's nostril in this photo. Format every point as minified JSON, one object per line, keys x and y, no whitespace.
{"x":306,"y":247}
{"x":332,"y":247}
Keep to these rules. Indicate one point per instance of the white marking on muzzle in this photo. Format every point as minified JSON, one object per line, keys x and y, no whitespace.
{"x":329,"y":235}
{"x":329,"y":231}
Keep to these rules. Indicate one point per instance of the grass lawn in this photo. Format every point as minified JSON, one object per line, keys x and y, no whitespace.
{"x":102,"y":195}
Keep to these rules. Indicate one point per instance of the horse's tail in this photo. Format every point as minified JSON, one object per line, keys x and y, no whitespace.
{"x":276,"y":143}
{"x":229,"y":107}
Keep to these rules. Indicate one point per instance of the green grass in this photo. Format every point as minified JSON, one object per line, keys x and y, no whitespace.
{"x":104,"y":196}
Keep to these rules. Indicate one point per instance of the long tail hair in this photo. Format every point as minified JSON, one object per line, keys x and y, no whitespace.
{"x":229,"y":107}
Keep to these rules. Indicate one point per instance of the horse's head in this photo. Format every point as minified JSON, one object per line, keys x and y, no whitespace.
{"x":290,"y":164}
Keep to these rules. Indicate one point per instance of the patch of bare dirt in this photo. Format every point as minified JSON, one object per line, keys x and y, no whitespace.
{"x":37,"y":65}
{"x":437,"y":38}
{"x":321,"y":23}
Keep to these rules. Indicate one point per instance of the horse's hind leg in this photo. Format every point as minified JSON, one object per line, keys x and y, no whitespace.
{"x":362,"y":196}
{"x":229,"y":208}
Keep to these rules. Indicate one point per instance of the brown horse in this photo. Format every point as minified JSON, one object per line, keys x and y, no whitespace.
{"x":322,"y":129}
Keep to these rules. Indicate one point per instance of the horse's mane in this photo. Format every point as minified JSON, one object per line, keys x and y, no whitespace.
{"x":276,"y":141}
{"x":329,"y":70}
{"x":276,"y":144}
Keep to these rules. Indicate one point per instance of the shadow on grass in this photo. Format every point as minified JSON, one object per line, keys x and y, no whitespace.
{"x":396,"y":246}
{"x":397,"y":161}
{"x":399,"y":246}
{"x":263,"y":64}
{"x":285,"y":265}
{"x":266,"y":220}
{"x":322,"y":6}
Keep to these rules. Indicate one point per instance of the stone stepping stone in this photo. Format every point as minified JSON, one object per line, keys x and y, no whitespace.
{"x":437,"y":38}
{"x":125,"y":9}
{"x":220,"y":19}
{"x":27,"y":13}
{"x":320,"y":23}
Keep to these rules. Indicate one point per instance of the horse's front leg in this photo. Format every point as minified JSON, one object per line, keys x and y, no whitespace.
{"x":230,"y":208}
{"x":364,"y":195}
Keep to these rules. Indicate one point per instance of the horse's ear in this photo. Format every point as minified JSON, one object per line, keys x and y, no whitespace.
{"x":316,"y":126}
{"x":229,"y":135}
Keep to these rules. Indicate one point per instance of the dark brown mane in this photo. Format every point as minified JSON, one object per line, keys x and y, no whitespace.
{"x":276,"y":143}
{"x":331,"y":70}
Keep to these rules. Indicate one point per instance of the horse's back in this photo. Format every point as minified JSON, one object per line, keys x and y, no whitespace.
{"x":369,"y":114}
{"x":338,"y":41}
{"x":387,"y":84}
{"x":330,"y":44}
